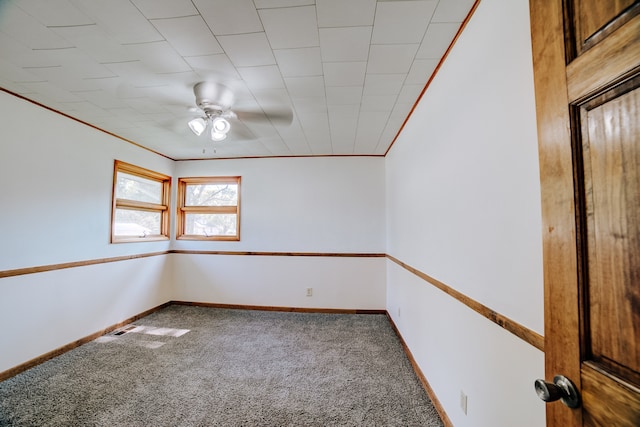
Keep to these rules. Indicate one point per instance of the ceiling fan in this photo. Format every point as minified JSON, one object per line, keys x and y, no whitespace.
{"x":215,"y":101}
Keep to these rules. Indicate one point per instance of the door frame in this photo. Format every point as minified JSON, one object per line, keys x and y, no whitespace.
{"x":560,"y":257}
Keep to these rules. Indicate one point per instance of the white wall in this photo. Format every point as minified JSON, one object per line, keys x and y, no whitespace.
{"x":319,"y":205}
{"x":281,"y":281}
{"x":313,"y":204}
{"x":56,"y":177}
{"x":45,"y":311}
{"x":463,"y":206}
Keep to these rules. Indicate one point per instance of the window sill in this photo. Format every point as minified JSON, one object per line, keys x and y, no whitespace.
{"x":133,"y":239}
{"x":209,"y":238}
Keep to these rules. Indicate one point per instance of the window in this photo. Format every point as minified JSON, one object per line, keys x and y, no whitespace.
{"x":140,"y":209}
{"x":209,"y":208}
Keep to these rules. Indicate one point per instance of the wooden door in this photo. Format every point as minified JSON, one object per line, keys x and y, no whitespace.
{"x":586,"y":57}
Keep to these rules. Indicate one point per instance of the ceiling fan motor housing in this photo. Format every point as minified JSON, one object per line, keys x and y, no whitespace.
{"x":213,"y":98}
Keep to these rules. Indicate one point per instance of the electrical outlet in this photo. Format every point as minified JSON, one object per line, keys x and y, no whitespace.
{"x":309,"y":292}
{"x":463,"y":402}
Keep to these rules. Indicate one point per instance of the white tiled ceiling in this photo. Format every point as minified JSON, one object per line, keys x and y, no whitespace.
{"x":349,"y":70}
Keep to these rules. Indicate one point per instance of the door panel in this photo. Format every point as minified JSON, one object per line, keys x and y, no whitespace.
{"x":590,"y":21}
{"x":610,"y":200}
{"x":610,"y":401}
{"x":587,"y":79}
{"x":610,"y":60}
{"x":611,"y":157}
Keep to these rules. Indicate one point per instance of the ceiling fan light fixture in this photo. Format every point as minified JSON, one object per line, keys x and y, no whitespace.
{"x":220,"y":125}
{"x":217,"y":136}
{"x":197,"y":126}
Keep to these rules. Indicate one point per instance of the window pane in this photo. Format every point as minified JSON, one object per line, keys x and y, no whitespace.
{"x":130,"y":222}
{"x":211,"y":195}
{"x":133,"y":187}
{"x":211,"y":224}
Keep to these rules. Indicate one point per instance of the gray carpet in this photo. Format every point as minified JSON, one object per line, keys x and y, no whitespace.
{"x":231,"y":368}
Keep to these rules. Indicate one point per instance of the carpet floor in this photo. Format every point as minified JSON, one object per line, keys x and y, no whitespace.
{"x":198,"y":366}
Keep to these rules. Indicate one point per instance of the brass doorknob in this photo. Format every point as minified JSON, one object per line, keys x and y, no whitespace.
{"x":560,"y":389}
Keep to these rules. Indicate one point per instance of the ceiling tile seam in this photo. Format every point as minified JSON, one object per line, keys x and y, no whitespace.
{"x":162,"y":40}
{"x":72,"y":46}
{"x":203,"y":20}
{"x":71,"y":26}
{"x":432,"y":14}
{"x":388,"y":73}
{"x":171,"y":73}
{"x":284,"y":141}
{"x":26,"y":12}
{"x":423,"y":34}
{"x":25,"y":82}
{"x":324,"y":81}
{"x":151,"y":20}
{"x":346,"y":62}
{"x":355,"y":136}
{"x":39,"y":67}
{"x":295,"y":6}
{"x":306,"y":138}
{"x":230,"y":34}
{"x":264,"y":146}
{"x":100,"y":78}
{"x":328,"y":118}
{"x":292,"y":48}
{"x":427,"y":27}
{"x":234,"y":34}
{"x":357,"y":120}
{"x":365,"y":68}
{"x":286,"y":145}
{"x":397,"y":44}
{"x":171,"y":44}
{"x":120,"y":62}
{"x":41,"y":49}
{"x":289,"y":7}
{"x":406,"y":76}
{"x":276,"y":129}
{"x":275,"y":64}
{"x":382,"y":133}
{"x":445,"y":22}
{"x":133,"y":3}
{"x":342,"y":26}
{"x":357,"y":125}
{"x":379,"y":136}
{"x":85,"y":90}
{"x":395,"y":102}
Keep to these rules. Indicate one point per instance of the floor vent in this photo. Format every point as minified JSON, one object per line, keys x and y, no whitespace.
{"x":124,"y":330}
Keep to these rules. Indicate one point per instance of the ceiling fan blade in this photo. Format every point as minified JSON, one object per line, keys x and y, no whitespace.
{"x":240,"y":132}
{"x":276,"y":116}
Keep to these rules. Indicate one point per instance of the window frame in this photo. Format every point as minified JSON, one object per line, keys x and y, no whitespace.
{"x":183,"y":210}
{"x":163,"y":208}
